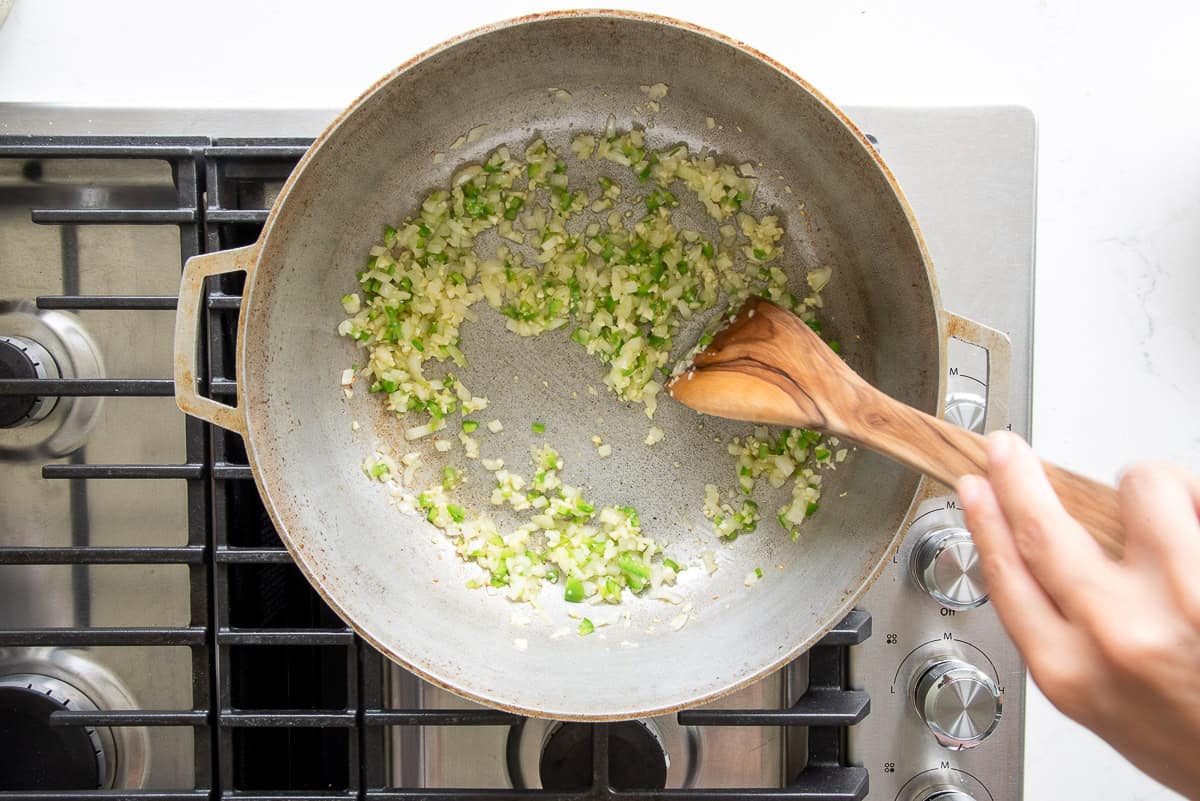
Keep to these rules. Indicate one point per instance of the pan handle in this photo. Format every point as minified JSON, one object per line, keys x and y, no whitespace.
{"x":999,"y":360}
{"x":187,"y":322}
{"x":1091,"y":503}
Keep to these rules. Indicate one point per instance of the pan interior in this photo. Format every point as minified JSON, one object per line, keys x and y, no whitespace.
{"x":395,"y":576}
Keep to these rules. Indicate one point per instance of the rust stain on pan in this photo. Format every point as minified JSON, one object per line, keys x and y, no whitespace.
{"x":264,"y":477}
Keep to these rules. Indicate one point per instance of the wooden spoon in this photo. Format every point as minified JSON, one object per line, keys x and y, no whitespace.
{"x":767,"y":366}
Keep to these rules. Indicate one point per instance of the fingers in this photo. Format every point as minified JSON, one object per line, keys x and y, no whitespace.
{"x":1113,"y":644}
{"x":1158,"y":505}
{"x":1058,"y":552}
{"x":1027,"y":612}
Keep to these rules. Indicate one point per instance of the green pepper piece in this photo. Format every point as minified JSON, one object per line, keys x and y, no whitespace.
{"x":632,"y":565}
{"x":515,"y":204}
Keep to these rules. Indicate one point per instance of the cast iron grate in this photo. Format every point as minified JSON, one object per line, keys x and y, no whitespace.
{"x":319,"y":732}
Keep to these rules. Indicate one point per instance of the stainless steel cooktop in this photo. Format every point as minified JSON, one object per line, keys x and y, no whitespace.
{"x":945,"y":713}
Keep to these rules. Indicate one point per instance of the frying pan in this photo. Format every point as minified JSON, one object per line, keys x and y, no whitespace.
{"x":391,"y":575}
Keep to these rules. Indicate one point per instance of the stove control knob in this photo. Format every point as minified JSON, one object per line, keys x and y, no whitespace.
{"x":966,"y":410}
{"x":959,"y":703}
{"x":945,"y":564}
{"x":943,"y":794}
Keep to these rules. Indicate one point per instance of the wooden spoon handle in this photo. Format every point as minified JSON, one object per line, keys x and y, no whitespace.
{"x":947,"y":452}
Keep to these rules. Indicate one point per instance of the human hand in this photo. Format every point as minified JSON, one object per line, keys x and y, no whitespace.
{"x":1113,"y":644}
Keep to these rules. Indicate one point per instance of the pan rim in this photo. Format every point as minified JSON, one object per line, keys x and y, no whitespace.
{"x":791,"y":651}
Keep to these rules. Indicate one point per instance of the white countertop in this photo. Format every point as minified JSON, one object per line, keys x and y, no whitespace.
{"x":1117,"y":346}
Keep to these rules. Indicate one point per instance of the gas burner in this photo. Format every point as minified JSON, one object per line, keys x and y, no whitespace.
{"x":636,"y":757}
{"x":24,"y":358}
{"x":650,"y":754}
{"x":38,"y":344}
{"x":41,"y":755}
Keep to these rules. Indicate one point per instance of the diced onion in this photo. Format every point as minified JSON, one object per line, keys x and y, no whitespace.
{"x":624,"y":285}
{"x":655,"y":91}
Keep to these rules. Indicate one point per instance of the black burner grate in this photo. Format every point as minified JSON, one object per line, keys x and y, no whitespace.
{"x":287,"y":701}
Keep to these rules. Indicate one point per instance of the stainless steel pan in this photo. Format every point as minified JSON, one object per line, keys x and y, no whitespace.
{"x":393,"y":577}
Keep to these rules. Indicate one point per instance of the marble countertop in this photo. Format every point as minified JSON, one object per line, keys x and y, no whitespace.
{"x":1117,"y":344}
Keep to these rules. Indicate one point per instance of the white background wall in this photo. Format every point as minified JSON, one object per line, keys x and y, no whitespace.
{"x":1114,"y":86}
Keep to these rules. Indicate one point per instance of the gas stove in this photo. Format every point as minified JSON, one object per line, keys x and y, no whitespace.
{"x":155,"y":637}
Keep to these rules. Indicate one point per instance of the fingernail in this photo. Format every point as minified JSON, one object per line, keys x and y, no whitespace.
{"x":999,"y":446}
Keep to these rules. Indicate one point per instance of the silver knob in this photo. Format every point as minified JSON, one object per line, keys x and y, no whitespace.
{"x":959,"y":703}
{"x":947,"y":784}
{"x":942,"y":794}
{"x":945,"y":564}
{"x":966,"y":410}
